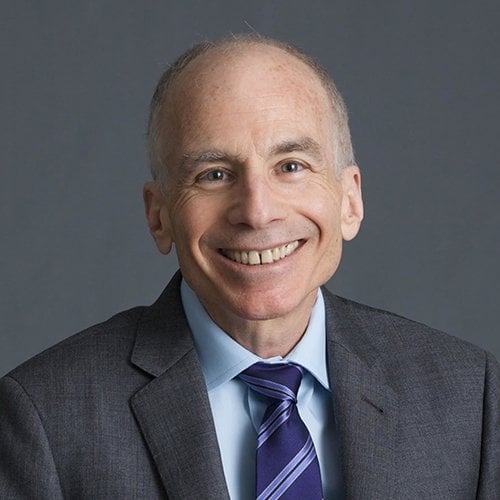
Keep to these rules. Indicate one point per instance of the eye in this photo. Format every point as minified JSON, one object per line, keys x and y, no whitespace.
{"x":216,"y":175}
{"x":291,"y":167}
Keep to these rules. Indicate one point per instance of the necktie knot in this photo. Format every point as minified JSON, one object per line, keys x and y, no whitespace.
{"x":278,"y":381}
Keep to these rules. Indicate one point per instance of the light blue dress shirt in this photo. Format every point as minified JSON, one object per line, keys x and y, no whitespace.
{"x":238,"y":411}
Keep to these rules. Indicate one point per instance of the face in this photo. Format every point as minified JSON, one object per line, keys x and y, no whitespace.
{"x":253,"y":205}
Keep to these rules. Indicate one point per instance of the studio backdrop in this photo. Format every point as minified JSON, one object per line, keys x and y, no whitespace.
{"x":421,"y":81}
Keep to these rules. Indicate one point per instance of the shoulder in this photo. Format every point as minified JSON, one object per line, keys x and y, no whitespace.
{"x":439,"y":381}
{"x":91,"y":351}
{"x":401,"y":345}
{"x":101,"y":356}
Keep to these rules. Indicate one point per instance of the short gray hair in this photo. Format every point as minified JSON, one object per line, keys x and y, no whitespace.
{"x":343,"y":154}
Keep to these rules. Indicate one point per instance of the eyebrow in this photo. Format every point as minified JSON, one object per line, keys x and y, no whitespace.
{"x":189,"y":161}
{"x":205,"y":156}
{"x":303,"y":144}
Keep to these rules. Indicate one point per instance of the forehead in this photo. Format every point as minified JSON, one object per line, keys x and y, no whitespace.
{"x":248,"y":86}
{"x":239,"y":72}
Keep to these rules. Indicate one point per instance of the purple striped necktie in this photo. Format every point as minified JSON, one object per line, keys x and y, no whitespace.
{"x":287,"y":465}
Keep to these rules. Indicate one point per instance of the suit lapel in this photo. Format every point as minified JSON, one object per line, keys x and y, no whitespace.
{"x":365,"y":407}
{"x":173,"y":410}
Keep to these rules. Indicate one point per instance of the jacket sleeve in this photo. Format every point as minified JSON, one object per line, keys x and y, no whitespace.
{"x":489,"y":477}
{"x":27,"y":468}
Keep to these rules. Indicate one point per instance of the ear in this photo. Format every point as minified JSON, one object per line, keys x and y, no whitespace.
{"x":155,"y":205}
{"x":352,"y":202}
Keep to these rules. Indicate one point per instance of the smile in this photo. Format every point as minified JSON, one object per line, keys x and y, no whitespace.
{"x":256,"y":257}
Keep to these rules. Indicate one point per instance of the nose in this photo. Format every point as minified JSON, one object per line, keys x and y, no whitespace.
{"x":257,"y":202}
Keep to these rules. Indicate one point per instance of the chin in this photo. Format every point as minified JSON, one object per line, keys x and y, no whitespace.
{"x":259,"y":307}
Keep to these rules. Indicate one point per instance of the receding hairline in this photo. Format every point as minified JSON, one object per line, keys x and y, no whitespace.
{"x":230,"y":45}
{"x":227,"y":48}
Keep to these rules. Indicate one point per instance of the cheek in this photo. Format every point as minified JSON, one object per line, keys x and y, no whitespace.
{"x":192,"y":218}
{"x":323,"y":208}
{"x":182,"y":209}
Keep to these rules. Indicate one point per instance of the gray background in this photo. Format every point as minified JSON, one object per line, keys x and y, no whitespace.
{"x":421,"y":79}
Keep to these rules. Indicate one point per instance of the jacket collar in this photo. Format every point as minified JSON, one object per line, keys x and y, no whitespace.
{"x":173,"y":410}
{"x":365,"y":406}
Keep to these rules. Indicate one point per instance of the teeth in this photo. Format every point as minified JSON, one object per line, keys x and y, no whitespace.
{"x":254,"y":257}
{"x":266,"y":257}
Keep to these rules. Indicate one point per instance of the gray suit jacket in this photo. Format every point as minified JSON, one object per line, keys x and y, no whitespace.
{"x":121,"y":411}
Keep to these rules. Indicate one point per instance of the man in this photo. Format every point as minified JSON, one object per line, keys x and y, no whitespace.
{"x":256,"y":186}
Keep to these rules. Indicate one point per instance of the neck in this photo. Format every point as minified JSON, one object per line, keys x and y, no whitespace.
{"x":268,"y":337}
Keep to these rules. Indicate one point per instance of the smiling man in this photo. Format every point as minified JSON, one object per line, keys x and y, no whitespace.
{"x":256,"y":197}
{"x":247,"y":379}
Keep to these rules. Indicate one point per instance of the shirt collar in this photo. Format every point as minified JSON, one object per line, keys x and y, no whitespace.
{"x":222,"y":358}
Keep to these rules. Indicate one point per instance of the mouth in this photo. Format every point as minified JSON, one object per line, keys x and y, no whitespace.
{"x":261,"y":257}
